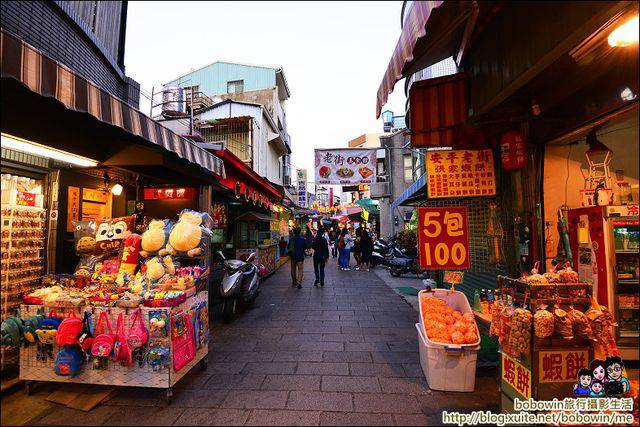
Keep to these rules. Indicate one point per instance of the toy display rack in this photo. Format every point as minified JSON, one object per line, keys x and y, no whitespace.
{"x":139,"y":374}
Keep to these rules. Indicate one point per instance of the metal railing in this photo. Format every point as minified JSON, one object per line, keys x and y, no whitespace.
{"x":236,"y":136}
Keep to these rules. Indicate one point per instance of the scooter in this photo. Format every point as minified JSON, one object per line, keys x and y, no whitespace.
{"x":403,"y":264}
{"x":240,"y":281}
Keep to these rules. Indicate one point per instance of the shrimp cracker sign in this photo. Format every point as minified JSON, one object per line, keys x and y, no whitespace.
{"x":460,"y":173}
{"x":350,"y":166}
{"x":443,"y":238}
{"x":516,"y":375}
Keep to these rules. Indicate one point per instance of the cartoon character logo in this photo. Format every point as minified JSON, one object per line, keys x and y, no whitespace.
{"x":602,"y":378}
{"x":585,"y":376}
{"x":597,"y":389}
{"x":618,"y":384}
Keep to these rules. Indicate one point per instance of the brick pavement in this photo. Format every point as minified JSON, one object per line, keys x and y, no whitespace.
{"x":345,"y":354}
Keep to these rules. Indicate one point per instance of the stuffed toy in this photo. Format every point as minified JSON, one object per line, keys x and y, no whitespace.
{"x":190,"y":235}
{"x":154,"y":239}
{"x":12,"y":329}
{"x":110,"y":233}
{"x":84,"y":235}
{"x":157,"y":267}
{"x":30,"y":325}
{"x":130,"y":254}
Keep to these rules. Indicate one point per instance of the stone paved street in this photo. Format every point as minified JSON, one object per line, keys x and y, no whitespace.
{"x":345,"y":354}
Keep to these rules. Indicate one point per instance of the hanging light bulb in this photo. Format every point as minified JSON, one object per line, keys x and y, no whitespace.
{"x":116,"y":190}
{"x":626,"y":34}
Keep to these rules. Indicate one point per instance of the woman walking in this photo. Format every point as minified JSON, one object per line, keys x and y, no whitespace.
{"x":320,"y":247}
{"x":366,"y":246}
{"x":347,"y":242}
{"x":357,"y":248}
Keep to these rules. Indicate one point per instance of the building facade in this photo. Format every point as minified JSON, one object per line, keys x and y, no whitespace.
{"x":247,"y":86}
{"x":93,"y":33}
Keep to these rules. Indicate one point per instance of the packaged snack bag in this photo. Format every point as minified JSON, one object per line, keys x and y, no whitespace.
{"x":543,"y":322}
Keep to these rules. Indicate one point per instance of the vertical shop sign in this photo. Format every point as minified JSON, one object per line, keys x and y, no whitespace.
{"x":73,"y":207}
{"x":516,"y":375}
{"x":443,"y":238}
{"x":562,"y":366}
{"x":330,"y":197}
{"x":460,"y":173}
{"x":219,"y":215}
{"x":302,"y":187}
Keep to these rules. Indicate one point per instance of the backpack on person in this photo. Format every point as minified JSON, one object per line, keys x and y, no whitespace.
{"x":341,"y":244}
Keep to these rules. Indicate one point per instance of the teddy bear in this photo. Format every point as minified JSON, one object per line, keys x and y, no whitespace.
{"x":157,"y":267}
{"x":190,"y":235}
{"x":155,"y":238}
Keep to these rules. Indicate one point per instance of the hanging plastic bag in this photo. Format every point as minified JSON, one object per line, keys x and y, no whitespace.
{"x":562,"y":323}
{"x":543,"y":322}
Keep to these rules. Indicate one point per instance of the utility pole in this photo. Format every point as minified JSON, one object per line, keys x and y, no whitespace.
{"x":191,"y":114}
{"x":151,"y":107}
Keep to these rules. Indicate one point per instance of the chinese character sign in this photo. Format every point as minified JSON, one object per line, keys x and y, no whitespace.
{"x":516,"y":375}
{"x":562,"y":366}
{"x":460,"y":173}
{"x":351,"y":166}
{"x":443,"y":238}
{"x":302,"y":187}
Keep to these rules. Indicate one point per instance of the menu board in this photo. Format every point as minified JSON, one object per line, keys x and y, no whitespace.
{"x":460,"y":173}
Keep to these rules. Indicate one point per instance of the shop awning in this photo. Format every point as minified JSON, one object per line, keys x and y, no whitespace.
{"x":255,"y":216}
{"x":432,"y":32}
{"x":417,"y":190}
{"x":239,"y":172}
{"x":46,"y":77}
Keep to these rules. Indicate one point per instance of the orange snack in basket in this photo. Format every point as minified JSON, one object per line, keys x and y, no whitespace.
{"x":460,"y":326}
{"x":470,"y":338}
{"x":469,"y":318}
{"x":449,"y":320}
{"x":457,"y":315}
{"x":457,"y":338}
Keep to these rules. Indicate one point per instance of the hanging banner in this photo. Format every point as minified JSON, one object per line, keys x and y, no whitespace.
{"x":443,"y":238}
{"x":516,"y":375}
{"x":302,"y":187}
{"x":219,"y":216}
{"x":460,"y":173}
{"x":352,"y":166}
{"x":73,"y":207}
{"x":561,"y":366}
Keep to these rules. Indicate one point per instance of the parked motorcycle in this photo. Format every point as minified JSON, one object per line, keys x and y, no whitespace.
{"x":402,"y":263}
{"x":240,"y":281}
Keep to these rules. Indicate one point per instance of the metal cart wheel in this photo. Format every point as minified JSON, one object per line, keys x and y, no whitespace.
{"x":28,"y":387}
{"x":168,"y":395}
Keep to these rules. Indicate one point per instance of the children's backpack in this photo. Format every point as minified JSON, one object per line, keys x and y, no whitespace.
{"x":121,"y":349}
{"x":68,"y":361}
{"x":69,"y":329}
{"x":12,"y":331}
{"x":86,"y":335}
{"x":49,"y":328}
{"x":184,"y":347}
{"x":138,"y":334}
{"x":102,"y":345}
{"x":31,"y":324}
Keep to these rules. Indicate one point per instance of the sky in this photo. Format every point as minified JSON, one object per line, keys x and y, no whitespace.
{"x":334,"y":56}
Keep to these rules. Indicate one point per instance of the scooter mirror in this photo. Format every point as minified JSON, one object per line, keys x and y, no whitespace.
{"x":220,"y":255}
{"x":251,"y":257}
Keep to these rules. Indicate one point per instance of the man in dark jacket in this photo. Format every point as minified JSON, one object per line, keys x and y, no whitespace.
{"x":320,"y":255}
{"x":297,"y":247}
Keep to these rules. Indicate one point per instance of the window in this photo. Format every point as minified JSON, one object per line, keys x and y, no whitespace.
{"x":235,"y":86}
{"x":408,"y":168}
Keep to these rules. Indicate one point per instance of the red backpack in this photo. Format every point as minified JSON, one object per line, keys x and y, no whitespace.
{"x":69,"y":329}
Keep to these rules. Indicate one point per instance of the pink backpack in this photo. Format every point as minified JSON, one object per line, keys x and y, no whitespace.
{"x":121,"y":349}
{"x":69,"y":329}
{"x":138,"y":334}
{"x":184,"y":345}
{"x":103,"y":342}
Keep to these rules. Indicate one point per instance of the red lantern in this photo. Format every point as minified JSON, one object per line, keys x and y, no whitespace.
{"x":513,"y":150}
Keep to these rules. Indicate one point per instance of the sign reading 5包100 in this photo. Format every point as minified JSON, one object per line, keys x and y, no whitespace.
{"x":443,"y":238}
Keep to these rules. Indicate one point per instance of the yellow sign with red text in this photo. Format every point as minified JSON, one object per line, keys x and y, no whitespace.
{"x":460,"y":173}
{"x":516,"y":375}
{"x":443,"y":238}
{"x":562,"y":366}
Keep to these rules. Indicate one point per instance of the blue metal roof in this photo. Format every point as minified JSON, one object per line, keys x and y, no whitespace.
{"x":411,"y":191}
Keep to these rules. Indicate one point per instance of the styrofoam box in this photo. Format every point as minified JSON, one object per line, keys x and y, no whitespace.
{"x":454,"y":299}
{"x":447,"y":368}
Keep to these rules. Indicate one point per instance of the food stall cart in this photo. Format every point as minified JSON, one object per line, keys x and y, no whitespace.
{"x":260,"y":233}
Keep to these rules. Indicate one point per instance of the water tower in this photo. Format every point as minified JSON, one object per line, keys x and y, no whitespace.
{"x":387,"y":120}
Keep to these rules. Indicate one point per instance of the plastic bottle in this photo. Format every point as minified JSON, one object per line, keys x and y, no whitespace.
{"x":484,"y":302}
{"x":476,"y":301}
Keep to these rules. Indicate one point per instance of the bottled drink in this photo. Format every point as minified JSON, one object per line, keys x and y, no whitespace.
{"x":476,"y":301}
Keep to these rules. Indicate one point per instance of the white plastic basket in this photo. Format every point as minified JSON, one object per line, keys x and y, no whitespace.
{"x":447,"y":367}
{"x":454,"y":299}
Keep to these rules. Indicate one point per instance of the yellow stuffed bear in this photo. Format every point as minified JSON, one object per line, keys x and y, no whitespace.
{"x":154,"y":238}
{"x":186,"y":237}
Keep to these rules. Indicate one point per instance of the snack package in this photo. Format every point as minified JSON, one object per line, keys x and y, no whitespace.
{"x":520,"y":334}
{"x":86,"y":265}
{"x":568,"y":275}
{"x":601,"y":322}
{"x":562,"y":323}
{"x":84,"y":236}
{"x":543,"y":322}
{"x":110,"y":233}
{"x":130,"y":253}
{"x":580,"y":324}
{"x":505,"y":324}
{"x":496,"y":309}
{"x":155,"y":237}
{"x":191,"y":235}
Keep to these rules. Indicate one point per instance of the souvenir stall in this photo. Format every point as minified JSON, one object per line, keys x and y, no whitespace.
{"x":133,"y":313}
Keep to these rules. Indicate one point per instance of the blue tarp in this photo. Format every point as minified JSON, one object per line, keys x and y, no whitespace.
{"x":411,"y":191}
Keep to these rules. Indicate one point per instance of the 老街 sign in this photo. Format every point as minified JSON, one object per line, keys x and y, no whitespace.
{"x":349,"y":166}
{"x":443,"y":238}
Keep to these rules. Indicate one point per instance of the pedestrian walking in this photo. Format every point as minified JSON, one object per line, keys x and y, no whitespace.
{"x":320,"y":247}
{"x":366,"y":245}
{"x":333,"y":239}
{"x":347,"y":242}
{"x":308,"y":237}
{"x":296,"y":248}
{"x":357,"y":248}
